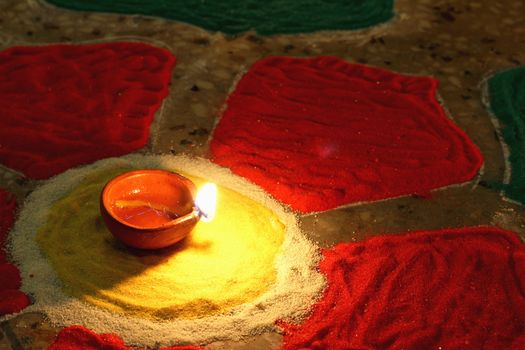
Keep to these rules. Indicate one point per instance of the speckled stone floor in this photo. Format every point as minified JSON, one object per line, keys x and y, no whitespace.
{"x":460,"y":43}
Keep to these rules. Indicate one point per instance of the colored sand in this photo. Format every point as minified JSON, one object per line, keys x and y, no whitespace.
{"x":11,"y":299}
{"x":449,"y":289}
{"x":222,"y":264}
{"x":66,"y":105}
{"x":289,"y":277}
{"x":235,"y":16}
{"x":320,"y":133}
{"x":507,"y":101}
{"x":78,"y":337}
{"x":7,"y":218}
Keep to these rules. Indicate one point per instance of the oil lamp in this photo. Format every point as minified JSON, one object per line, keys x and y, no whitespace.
{"x":152,"y":209}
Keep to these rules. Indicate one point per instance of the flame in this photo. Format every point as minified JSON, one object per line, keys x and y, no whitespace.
{"x":206,"y":201}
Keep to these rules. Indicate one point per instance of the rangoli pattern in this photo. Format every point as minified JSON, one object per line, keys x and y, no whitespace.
{"x":448,"y":289}
{"x":507,"y":101}
{"x":66,"y":105}
{"x":11,"y":298}
{"x":78,"y":337}
{"x":319,"y":133}
{"x":266,"y":17}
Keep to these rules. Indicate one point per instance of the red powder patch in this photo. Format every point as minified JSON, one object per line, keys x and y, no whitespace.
{"x":78,"y":337}
{"x":449,"y":289}
{"x":66,"y":105}
{"x":9,"y":277}
{"x":7,"y":218}
{"x":11,"y":299}
{"x":320,"y":133}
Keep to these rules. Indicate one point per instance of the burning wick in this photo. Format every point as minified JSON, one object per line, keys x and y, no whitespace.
{"x":206,"y":201}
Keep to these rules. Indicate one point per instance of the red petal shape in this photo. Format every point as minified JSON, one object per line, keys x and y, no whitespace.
{"x":12,"y":301}
{"x":448,"y":289}
{"x":78,"y":337}
{"x":9,"y":277}
{"x":66,"y":105}
{"x":7,"y":217}
{"x":320,"y":133}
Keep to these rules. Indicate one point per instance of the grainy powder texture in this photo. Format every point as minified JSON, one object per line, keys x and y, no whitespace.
{"x":223,"y":263}
{"x":506,"y":94}
{"x":319,"y":133}
{"x":446,"y":289}
{"x":297,"y":282}
{"x":11,"y":298}
{"x":75,"y":104}
{"x":78,"y":337}
{"x":266,"y":17}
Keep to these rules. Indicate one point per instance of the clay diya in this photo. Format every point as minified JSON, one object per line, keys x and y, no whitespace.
{"x":149,"y":209}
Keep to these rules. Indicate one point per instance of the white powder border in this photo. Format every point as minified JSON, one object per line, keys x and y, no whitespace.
{"x":298,"y":282}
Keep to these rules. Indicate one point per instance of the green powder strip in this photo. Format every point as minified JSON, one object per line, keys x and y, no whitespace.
{"x":507,"y":102}
{"x":265,"y":17}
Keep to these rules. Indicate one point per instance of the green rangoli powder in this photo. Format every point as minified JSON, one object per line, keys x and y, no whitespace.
{"x":507,"y":102}
{"x":265,"y":17}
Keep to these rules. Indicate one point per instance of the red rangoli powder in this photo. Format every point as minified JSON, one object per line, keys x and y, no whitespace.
{"x":7,"y":218}
{"x":78,"y":337}
{"x":448,"y":289}
{"x":320,"y":133}
{"x":66,"y":105}
{"x":11,"y":299}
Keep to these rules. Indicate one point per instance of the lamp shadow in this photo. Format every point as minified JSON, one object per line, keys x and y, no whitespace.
{"x":112,"y":262}
{"x":153,"y":257}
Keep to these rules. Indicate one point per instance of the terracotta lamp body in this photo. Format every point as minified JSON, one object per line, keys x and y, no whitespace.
{"x":149,"y":209}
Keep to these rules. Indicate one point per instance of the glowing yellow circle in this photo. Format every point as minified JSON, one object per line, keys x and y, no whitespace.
{"x":222,"y":264}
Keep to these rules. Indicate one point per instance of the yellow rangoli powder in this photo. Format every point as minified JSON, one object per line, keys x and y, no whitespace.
{"x":222,"y":264}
